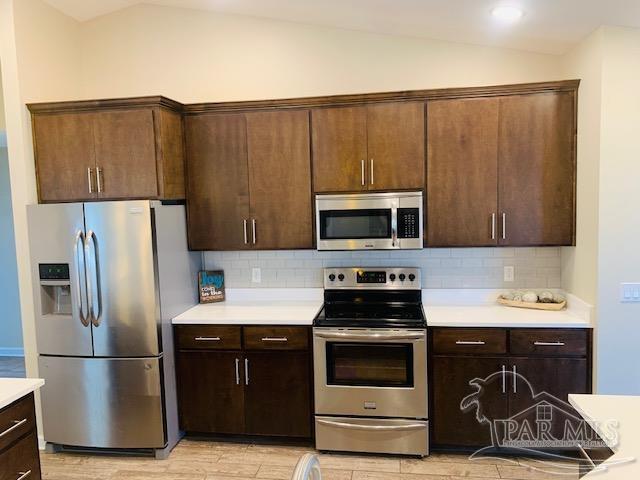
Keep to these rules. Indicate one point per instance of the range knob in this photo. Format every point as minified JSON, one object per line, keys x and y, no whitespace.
{"x":341,"y":277}
{"x":332,"y":277}
{"x":402,"y":277}
{"x":412,"y":277}
{"x":392,"y":277}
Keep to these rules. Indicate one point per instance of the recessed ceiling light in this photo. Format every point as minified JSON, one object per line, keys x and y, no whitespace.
{"x":507,"y":13}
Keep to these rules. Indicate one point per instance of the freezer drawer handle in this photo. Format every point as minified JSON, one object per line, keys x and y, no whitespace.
{"x":548,"y":344}
{"x":470,"y":342}
{"x":376,"y":428}
{"x":208,"y":339}
{"x":275,"y":339}
{"x":16,"y":424}
{"x":23,"y":475}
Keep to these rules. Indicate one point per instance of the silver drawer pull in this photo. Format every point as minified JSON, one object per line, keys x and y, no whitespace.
{"x":23,"y":475}
{"x":16,"y":424}
{"x":208,"y":339}
{"x":275,"y":339}
{"x":378,"y":428}
{"x":549,"y":344}
{"x":470,"y":342}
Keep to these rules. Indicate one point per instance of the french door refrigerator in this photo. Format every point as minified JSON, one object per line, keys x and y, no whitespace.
{"x":108,"y":277}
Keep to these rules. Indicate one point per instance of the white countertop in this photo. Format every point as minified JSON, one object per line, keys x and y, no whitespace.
{"x":599,"y":409}
{"x":443,"y":308}
{"x":12,"y":389}
{"x":264,"y":306}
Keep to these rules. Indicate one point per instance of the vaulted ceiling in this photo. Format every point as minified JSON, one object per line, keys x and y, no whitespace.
{"x":548,"y":26}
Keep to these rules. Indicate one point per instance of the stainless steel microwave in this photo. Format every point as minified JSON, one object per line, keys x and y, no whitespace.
{"x":369,"y":221}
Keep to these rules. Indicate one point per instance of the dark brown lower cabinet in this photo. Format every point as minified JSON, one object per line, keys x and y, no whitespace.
{"x":278,"y":394}
{"x":19,"y":456}
{"x":244,"y":380}
{"x":210,"y":395}
{"x":474,"y":382}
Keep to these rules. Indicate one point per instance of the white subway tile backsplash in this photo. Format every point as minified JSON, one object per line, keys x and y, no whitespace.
{"x":441,"y":267}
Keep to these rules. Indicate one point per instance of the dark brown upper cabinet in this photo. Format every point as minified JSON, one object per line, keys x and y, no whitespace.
{"x":249,"y":180}
{"x":109,"y":150}
{"x":371,"y":147}
{"x":501,"y":171}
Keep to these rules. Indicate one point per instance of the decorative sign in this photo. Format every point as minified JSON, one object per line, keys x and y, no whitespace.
{"x":211,"y":286}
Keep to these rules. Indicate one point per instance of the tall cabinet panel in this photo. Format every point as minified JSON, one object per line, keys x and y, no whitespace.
{"x":217,"y":182}
{"x":395,"y":139}
{"x":537,"y":169}
{"x":65,"y":157}
{"x":339,"y":138}
{"x":280,"y":179}
{"x":462,"y":167}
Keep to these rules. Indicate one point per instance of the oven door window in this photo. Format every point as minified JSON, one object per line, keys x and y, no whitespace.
{"x":355,"y":224}
{"x":370,"y":364}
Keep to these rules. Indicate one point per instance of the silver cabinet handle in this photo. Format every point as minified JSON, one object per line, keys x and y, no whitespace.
{"x":504,"y":379}
{"x":23,"y":475}
{"x":504,"y":226}
{"x":207,"y":339}
{"x":371,"y":171}
{"x":95,"y":304}
{"x":89,"y":170}
{"x":515,"y":380}
{"x":244,"y":229}
{"x":370,"y":336}
{"x":493,"y":226}
{"x":82,"y":276}
{"x":275,"y":339}
{"x":98,"y":182}
{"x":362,"y":172}
{"x":548,"y":344}
{"x":16,"y":424}
{"x":387,"y":428}
{"x":237,"y":371}
{"x":253,"y":229}
{"x":470,"y":342}
{"x":246,"y":371}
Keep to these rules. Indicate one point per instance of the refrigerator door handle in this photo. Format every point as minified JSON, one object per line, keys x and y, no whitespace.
{"x":82,"y":277}
{"x":94,"y":296}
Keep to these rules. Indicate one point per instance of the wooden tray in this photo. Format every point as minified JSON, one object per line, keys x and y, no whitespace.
{"x":534,"y":306}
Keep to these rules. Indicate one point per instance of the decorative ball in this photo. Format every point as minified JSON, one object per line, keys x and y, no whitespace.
{"x":530,"y":297}
{"x":545,"y":297}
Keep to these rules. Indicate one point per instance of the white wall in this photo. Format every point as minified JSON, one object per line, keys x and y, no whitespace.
{"x":195,"y":56}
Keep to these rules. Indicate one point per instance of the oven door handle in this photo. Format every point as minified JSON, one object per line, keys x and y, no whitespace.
{"x":370,"y":336}
{"x":377,"y":428}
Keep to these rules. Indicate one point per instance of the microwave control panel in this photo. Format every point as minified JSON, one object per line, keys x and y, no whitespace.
{"x":408,"y":223}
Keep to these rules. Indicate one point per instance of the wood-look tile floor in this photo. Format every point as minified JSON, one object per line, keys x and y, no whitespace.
{"x":203,"y":460}
{"x":12,"y":367}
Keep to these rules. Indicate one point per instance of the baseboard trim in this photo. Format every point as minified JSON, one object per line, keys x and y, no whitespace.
{"x":11,"y":352}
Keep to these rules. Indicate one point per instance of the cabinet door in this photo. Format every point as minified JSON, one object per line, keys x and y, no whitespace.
{"x":395,"y":139}
{"x":462,"y":172}
{"x":450,"y":383}
{"x":537,"y":169}
{"x":217,"y":182}
{"x":278,"y":394}
{"x":65,"y":157}
{"x":210,"y":391}
{"x":339,"y":139}
{"x":280,"y":179}
{"x":557,"y":377}
{"x":126,"y":154}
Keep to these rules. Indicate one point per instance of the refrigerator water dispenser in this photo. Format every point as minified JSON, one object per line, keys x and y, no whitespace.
{"x":55,"y":288}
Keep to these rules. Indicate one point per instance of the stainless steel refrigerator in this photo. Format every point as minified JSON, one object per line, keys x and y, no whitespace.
{"x":108,"y":277}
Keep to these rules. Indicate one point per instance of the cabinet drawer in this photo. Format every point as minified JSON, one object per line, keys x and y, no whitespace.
{"x":469,"y":340}
{"x":16,"y":420}
{"x":276,"y":338}
{"x":207,"y":337}
{"x":22,"y":460}
{"x":549,"y":341}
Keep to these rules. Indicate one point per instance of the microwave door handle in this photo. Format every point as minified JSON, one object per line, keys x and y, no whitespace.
{"x":394,"y":227}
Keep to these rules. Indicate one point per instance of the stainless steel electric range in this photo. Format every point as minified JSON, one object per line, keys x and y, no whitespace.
{"x":370,"y":362}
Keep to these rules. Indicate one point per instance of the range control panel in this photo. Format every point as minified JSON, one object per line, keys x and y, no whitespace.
{"x":400,"y":278}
